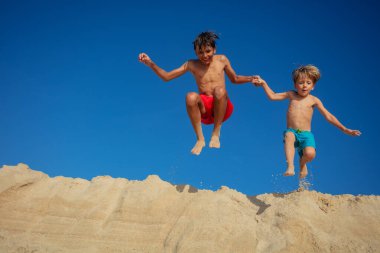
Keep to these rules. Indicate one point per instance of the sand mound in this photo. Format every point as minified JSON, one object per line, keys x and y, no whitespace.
{"x":43,"y":214}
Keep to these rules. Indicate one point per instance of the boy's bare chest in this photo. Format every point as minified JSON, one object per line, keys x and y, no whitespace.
{"x":214,"y":71}
{"x":301,"y":105}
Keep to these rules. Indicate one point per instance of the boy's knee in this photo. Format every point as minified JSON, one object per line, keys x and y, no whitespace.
{"x":192,"y":98}
{"x":220,"y":92}
{"x":309,"y":153}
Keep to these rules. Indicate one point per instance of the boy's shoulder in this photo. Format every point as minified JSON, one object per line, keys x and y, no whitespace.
{"x":292,"y":93}
{"x":193,"y":63}
{"x":220,"y":57}
{"x":315,"y":99}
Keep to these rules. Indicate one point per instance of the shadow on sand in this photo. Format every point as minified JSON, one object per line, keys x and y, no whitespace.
{"x":181,"y":188}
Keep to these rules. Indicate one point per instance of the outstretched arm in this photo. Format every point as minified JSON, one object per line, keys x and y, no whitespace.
{"x":333,"y":120}
{"x":164,"y":75}
{"x":236,"y":79}
{"x":257,"y":81}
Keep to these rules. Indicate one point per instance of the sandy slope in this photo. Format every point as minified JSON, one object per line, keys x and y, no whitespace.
{"x":43,"y":214}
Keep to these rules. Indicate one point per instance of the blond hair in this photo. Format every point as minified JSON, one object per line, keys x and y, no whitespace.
{"x":309,"y":70}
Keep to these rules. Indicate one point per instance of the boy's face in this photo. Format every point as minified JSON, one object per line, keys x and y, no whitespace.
{"x":304,"y":85}
{"x":205,"y":54}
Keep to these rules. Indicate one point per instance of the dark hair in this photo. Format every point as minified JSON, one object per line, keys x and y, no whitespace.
{"x":205,"y":39}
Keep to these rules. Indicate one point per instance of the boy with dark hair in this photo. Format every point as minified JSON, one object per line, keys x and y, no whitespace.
{"x":211,"y":104}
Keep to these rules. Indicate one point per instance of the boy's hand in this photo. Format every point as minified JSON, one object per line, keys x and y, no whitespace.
{"x":352,"y":132}
{"x":144,"y":58}
{"x":257,"y":81}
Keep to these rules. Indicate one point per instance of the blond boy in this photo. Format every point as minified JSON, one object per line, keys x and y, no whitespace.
{"x":300,"y":111}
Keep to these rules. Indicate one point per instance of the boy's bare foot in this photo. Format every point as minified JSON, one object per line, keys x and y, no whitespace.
{"x":197,"y":149}
{"x":289,"y":172}
{"x":303,"y":172}
{"x":214,"y":142}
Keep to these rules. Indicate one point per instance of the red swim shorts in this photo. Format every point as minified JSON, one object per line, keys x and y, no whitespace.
{"x":208,"y":117}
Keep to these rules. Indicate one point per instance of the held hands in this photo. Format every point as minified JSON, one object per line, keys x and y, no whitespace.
{"x":257,"y":81}
{"x":144,"y":58}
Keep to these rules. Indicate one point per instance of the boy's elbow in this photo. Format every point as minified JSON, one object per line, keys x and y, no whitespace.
{"x":166,"y":78}
{"x":234,"y":79}
{"x":332,"y":120}
{"x":329,"y":117}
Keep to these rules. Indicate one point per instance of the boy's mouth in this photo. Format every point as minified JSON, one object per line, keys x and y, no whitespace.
{"x":206,"y":61}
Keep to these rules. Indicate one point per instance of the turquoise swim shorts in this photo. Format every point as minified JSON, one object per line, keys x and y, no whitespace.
{"x":303,"y":139}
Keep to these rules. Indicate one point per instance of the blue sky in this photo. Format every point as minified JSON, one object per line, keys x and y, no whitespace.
{"x":76,"y":102}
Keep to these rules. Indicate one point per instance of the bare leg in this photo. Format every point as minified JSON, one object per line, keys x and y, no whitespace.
{"x":215,"y":141}
{"x":220,"y":105}
{"x":289,"y":153}
{"x":194,"y":107}
{"x":307,"y":156}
